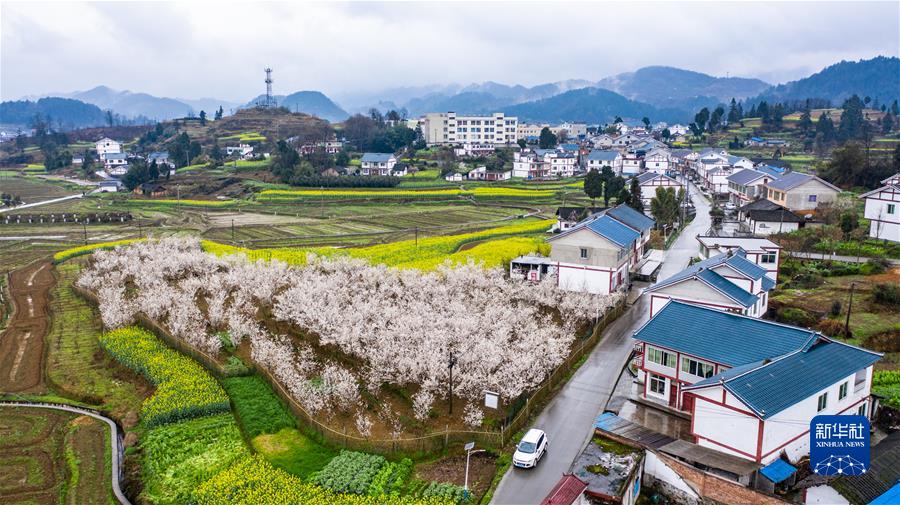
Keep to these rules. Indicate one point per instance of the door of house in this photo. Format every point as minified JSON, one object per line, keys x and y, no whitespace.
{"x":687,"y":402}
{"x":673,"y":394}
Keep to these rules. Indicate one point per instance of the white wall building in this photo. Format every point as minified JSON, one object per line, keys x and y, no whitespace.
{"x":107,"y":145}
{"x":761,"y":251}
{"x":651,"y":181}
{"x":377,"y":164}
{"x":453,"y":128}
{"x":800,"y":192}
{"x":883,"y":210}
{"x":597,"y":159}
{"x":751,"y":386}
{"x":528,"y":165}
{"x":658,"y":161}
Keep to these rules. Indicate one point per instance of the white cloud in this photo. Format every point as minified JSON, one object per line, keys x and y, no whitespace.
{"x":193,"y":49}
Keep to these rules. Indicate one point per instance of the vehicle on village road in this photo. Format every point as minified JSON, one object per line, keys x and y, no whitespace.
{"x":531,"y":449}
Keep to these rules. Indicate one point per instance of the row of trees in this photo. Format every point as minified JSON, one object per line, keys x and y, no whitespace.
{"x":607,"y":184}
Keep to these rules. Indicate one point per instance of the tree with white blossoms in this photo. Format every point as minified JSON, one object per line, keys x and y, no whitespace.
{"x":473,"y":415}
{"x":363,"y":425}
{"x":396,"y":326}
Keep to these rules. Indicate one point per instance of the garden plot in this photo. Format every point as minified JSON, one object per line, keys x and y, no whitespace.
{"x":351,"y":341}
{"x":22,"y":343}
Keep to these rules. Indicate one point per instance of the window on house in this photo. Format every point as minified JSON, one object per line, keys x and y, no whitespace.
{"x":584,"y":253}
{"x":842,"y":391}
{"x":812,"y":198}
{"x":861,"y":411}
{"x":891,"y":208}
{"x":823,"y":402}
{"x":697,"y":368}
{"x":767,"y":258}
{"x":859,"y":381}
{"x":661,"y":357}
{"x":658,"y":384}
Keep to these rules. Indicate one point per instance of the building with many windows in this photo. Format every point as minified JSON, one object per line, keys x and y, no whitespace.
{"x":453,"y":128}
{"x":883,"y":210}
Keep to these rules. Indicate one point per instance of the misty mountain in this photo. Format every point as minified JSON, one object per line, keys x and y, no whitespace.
{"x":488,"y":97}
{"x":209,"y":105}
{"x":589,"y":105}
{"x":132,"y":105}
{"x":63,"y":112}
{"x":683,"y":89}
{"x":876,"y":78}
{"x":313,"y":103}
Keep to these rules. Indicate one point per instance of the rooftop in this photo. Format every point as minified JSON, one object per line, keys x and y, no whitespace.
{"x":704,"y":272}
{"x":747,"y":244}
{"x":608,"y":228}
{"x":722,"y":337}
{"x":793,"y":179}
{"x":377,"y":157}
{"x":602,"y":155}
{"x":882,"y":478}
{"x":774,"y":216}
{"x":746,"y":176}
{"x":607,"y":465}
{"x":631,"y":217}
{"x":566,"y":491}
{"x":780,"y":381}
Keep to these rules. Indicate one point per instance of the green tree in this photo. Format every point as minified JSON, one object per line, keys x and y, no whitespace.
{"x":547,"y":140}
{"x":887,"y":123}
{"x":342,"y":159}
{"x":215,"y":152}
{"x":593,"y":185}
{"x":666,"y":134}
{"x":284,"y":162}
{"x":701,"y":119}
{"x":202,"y":118}
{"x":646,"y":121}
{"x":612,"y":187}
{"x":733,"y":115}
{"x":522,"y":143}
{"x":846,"y":167}
{"x":219,"y":113}
{"x":805,"y":124}
{"x":664,"y":207}
{"x":852,"y":119}
{"x":635,"y":198}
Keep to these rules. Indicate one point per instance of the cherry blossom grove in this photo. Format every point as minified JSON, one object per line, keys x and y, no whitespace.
{"x":393,"y":326}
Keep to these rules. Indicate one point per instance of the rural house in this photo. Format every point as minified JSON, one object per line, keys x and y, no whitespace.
{"x":529,"y":165}
{"x":747,"y":185}
{"x":107,"y":145}
{"x":483,"y":174}
{"x":761,"y":251}
{"x":597,"y":159}
{"x":594,"y":256}
{"x":151,"y":189}
{"x":658,"y":161}
{"x":882,"y":210}
{"x":751,"y":386}
{"x":636,"y":221}
{"x":377,"y":164}
{"x":727,"y":282}
{"x":763,"y":217}
{"x":567,"y":217}
{"x":651,"y":181}
{"x":800,"y":192}
{"x":161,"y":158}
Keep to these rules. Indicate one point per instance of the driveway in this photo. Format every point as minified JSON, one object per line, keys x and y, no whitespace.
{"x":569,"y":418}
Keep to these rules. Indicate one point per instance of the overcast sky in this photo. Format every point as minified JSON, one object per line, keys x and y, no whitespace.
{"x":194,"y":50}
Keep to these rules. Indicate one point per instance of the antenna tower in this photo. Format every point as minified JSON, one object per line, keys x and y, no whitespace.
{"x":270,"y":99}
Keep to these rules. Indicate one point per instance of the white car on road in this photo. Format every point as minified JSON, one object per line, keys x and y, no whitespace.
{"x":531,"y":449}
{"x":730,"y":207}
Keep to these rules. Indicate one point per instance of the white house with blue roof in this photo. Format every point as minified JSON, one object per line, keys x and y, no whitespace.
{"x":599,"y":158}
{"x":377,"y":164}
{"x":728,"y":281}
{"x":596,"y":254}
{"x":751,"y":386}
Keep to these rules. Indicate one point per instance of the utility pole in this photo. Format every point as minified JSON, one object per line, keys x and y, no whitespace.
{"x":849,"y":308}
{"x":232,"y":231}
{"x":417,"y":237}
{"x":84,"y":227}
{"x":450,"y":363}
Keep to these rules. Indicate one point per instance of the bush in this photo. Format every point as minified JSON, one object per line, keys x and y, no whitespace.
{"x":184,"y":389}
{"x":322,"y":181}
{"x":886,"y":383}
{"x":832,"y":328}
{"x":390,"y":479}
{"x":796,"y":317}
{"x":874,"y":266}
{"x":835,"y":308}
{"x":447,"y":491}
{"x":886,"y":294}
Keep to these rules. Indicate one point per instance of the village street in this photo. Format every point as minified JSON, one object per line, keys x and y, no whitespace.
{"x":569,"y":418}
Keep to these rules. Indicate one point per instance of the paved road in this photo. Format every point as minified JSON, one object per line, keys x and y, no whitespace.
{"x":569,"y":418}
{"x":116,"y":451}
{"x":834,"y":257}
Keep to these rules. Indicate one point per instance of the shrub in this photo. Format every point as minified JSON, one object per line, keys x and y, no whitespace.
{"x":874,"y":266}
{"x":795,"y":316}
{"x":184,"y":389}
{"x":390,"y":479}
{"x":886,"y":294}
{"x":835,"y":308}
{"x":446,"y":491}
{"x":832,"y":328}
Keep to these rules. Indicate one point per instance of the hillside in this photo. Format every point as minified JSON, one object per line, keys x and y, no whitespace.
{"x":313,"y":103}
{"x":61,"y":111}
{"x":488,"y":96}
{"x":677,"y":88}
{"x":271,"y":123}
{"x":133,"y":105}
{"x":589,"y":105}
{"x":877,"y":78}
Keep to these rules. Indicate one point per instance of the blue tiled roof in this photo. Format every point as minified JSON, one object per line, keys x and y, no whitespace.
{"x":775,"y":385}
{"x":890,"y":497}
{"x":739,"y":262}
{"x":613,"y":230}
{"x":734,"y":159}
{"x":569,"y":147}
{"x":158,"y":155}
{"x":601,"y":155}
{"x":722,"y":337}
{"x":770,"y":170}
{"x":778,"y":470}
{"x":790,"y":181}
{"x":631,"y":217}
{"x":728,"y":288}
{"x":745,"y":176}
{"x":376,"y":157}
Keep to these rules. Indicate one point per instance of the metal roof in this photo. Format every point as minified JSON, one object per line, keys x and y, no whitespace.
{"x":602,"y":155}
{"x":776,"y":384}
{"x":566,"y":491}
{"x":377,"y":157}
{"x":722,"y":337}
{"x":703,"y":271}
{"x":727,"y":288}
{"x":631,"y":217}
{"x":778,"y":470}
{"x":613,"y":230}
{"x":794,"y":179}
{"x":745,"y":243}
{"x":745,"y":176}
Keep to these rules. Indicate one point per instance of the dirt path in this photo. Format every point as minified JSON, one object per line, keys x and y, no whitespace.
{"x":22,"y":344}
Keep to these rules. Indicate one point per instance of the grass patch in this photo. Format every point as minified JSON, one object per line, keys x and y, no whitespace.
{"x":613,"y":447}
{"x":257,"y":407}
{"x":293,"y":452}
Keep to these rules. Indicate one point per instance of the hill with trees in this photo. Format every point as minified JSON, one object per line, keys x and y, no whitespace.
{"x":878,"y":79}
{"x":59,"y":112}
{"x":590,"y":105}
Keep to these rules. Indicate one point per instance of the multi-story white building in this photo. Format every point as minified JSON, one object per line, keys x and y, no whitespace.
{"x":651,"y":181}
{"x":761,"y":251}
{"x":529,"y":165}
{"x":453,"y":128}
{"x":598,"y":158}
{"x":658,"y":161}
{"x":883,"y":210}
{"x":562,"y":163}
{"x":571,"y":130}
{"x":750,"y":386}
{"x":107,"y":145}
{"x":377,"y":164}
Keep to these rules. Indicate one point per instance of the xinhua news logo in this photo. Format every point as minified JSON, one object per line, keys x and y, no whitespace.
{"x":839,"y":445}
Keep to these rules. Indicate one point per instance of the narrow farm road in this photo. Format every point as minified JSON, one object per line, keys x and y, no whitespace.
{"x":117,"y":451}
{"x":45,"y":202}
{"x":569,"y":418}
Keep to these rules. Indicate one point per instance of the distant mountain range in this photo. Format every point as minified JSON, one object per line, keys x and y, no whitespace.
{"x":658,"y":92}
{"x":64,"y":112}
{"x":314,"y":103}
